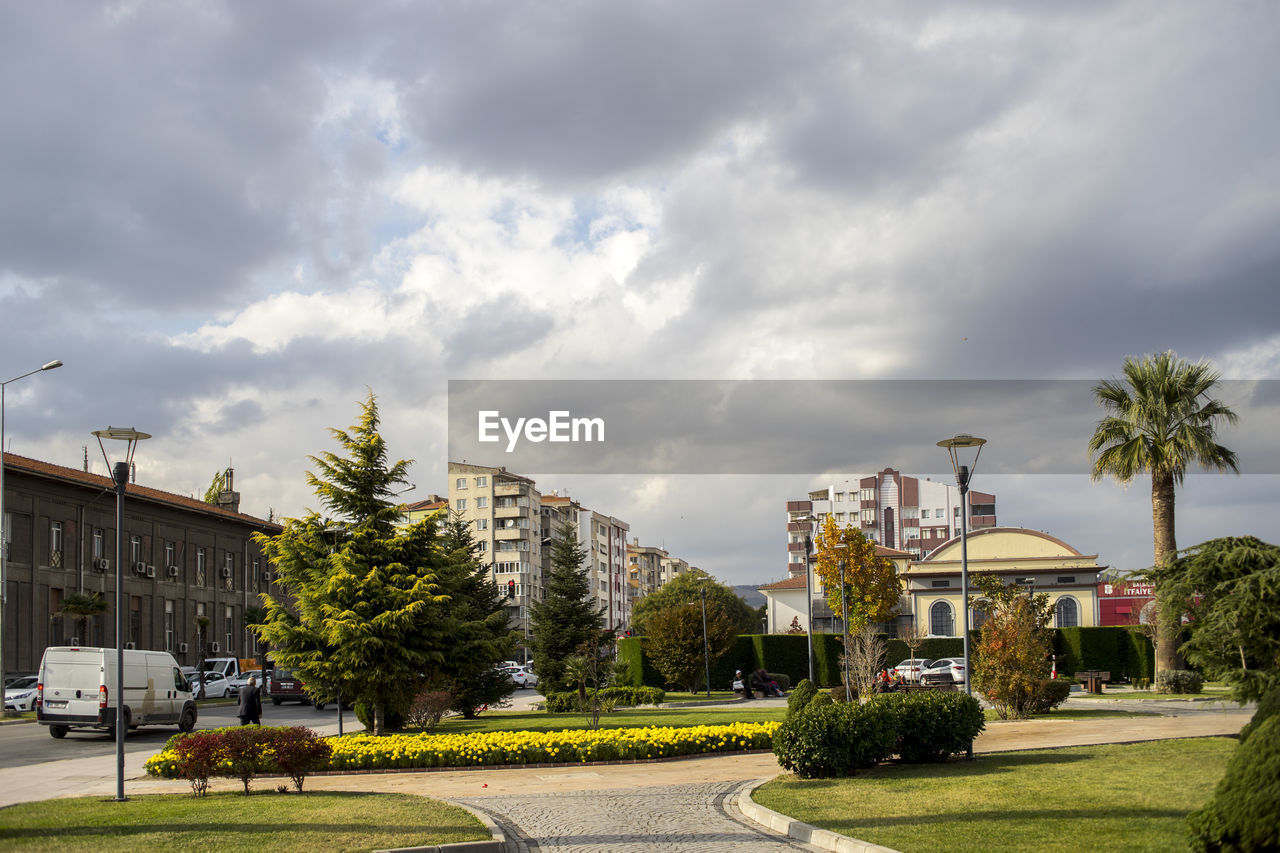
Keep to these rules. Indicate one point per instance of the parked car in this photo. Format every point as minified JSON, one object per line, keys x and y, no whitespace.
{"x":242,"y":680}
{"x":216,"y":685}
{"x":11,"y":677}
{"x":909,"y":670}
{"x":283,"y":685}
{"x":523,"y":676}
{"x":944,"y":671}
{"x":20,"y":694}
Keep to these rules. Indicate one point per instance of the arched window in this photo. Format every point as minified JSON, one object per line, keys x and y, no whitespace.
{"x":942,"y":622}
{"x":1066,"y":613}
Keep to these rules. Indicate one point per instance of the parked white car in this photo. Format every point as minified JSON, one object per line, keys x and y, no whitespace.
{"x":909,"y":670}
{"x":242,"y":680}
{"x":216,"y":685}
{"x":20,"y":695}
{"x":521,"y":675}
{"x":944,"y":671}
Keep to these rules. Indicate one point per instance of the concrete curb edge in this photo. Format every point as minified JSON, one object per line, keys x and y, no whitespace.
{"x":824,"y":838}
{"x":496,"y":844}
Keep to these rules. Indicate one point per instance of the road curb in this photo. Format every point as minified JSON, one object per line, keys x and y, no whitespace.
{"x":800,"y":831}
{"x":496,"y":844}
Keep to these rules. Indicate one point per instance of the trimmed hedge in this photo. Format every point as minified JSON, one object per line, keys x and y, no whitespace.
{"x":623,"y":697}
{"x":240,"y":752}
{"x":801,"y":696}
{"x":1123,"y":651}
{"x":1178,"y":681}
{"x":837,"y":739}
{"x":1268,"y":707}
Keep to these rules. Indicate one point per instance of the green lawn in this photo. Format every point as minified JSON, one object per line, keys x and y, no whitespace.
{"x":1120,"y":797}
{"x":313,"y":821}
{"x":541,"y":721}
{"x":1076,"y":714}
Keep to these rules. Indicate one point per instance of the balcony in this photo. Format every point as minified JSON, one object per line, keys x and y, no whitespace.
{"x":511,"y":512}
{"x":503,"y":534}
{"x":795,"y":546}
{"x":799,"y":506}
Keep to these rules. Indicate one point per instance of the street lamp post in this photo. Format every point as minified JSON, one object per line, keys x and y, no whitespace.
{"x":4,"y":530}
{"x":844,"y":624}
{"x":706,"y":648}
{"x":958,"y":449}
{"x":120,"y":476}
{"x":337,"y":531}
{"x":808,"y":589}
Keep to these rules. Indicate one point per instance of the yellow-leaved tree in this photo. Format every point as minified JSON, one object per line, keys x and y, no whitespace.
{"x":871,"y":586}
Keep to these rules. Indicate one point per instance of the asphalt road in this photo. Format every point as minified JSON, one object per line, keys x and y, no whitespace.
{"x":22,"y":744}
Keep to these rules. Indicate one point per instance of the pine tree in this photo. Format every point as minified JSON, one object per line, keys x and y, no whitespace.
{"x":567,"y":617}
{"x":479,"y":625}
{"x":363,"y":613}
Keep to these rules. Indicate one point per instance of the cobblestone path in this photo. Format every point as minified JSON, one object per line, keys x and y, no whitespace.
{"x":680,"y":818}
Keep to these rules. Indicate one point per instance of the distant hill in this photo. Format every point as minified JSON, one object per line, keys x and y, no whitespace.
{"x":752,"y":596}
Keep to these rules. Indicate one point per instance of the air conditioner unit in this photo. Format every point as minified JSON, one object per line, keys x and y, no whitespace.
{"x":140,"y":568}
{"x":171,"y":571}
{"x":130,"y":645}
{"x":226,"y":572}
{"x":215,"y":648}
{"x":101,"y":564}
{"x":75,"y":641}
{"x":267,"y":576}
{"x":151,"y":571}
{"x":182,"y":648}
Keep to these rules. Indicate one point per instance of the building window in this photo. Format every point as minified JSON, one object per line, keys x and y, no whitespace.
{"x":229,"y":570}
{"x":942,"y":583}
{"x":462,"y":504}
{"x":135,"y":549}
{"x":482,"y":503}
{"x":482,"y":524}
{"x":1066,"y":613}
{"x":229,"y":628}
{"x":170,"y":554}
{"x":481,"y":482}
{"x":939,"y":513}
{"x":460,"y":483}
{"x":1066,"y":580}
{"x":482,"y":547}
{"x":55,"y":543}
{"x":168,"y":625}
{"x":201,"y":558}
{"x":942,"y":622}
{"x":924,"y":513}
{"x":99,"y":540}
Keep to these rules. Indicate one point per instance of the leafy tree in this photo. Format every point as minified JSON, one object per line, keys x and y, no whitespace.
{"x":478,"y":625}
{"x":871,"y":586}
{"x":216,"y":487}
{"x":590,"y":671}
{"x":1230,"y":589}
{"x":1159,"y":420}
{"x":673,"y":641}
{"x":362,"y":612}
{"x":1013,"y":646}
{"x":566,"y":617}
{"x":686,"y":588}
{"x":82,"y":605}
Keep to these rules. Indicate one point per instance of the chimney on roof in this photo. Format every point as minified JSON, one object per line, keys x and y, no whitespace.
{"x":229,"y":498}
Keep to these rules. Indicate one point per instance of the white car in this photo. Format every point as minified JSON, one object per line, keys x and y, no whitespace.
{"x":909,"y":670}
{"x":20,"y":695}
{"x":242,"y":680}
{"x":521,"y":675}
{"x":216,"y":685}
{"x":944,"y":671}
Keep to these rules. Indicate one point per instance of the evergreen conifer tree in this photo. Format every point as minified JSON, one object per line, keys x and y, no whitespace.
{"x":567,"y":617}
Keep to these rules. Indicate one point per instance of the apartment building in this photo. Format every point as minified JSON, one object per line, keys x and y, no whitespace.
{"x":650,"y":568}
{"x":898,"y":512}
{"x":603,"y":538}
{"x":504,"y":511}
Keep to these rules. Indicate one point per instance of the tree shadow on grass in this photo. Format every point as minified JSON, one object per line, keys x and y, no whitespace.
{"x":958,"y":819}
{"x":982,"y":765}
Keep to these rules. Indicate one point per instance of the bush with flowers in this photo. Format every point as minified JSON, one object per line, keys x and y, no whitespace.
{"x":488,"y":749}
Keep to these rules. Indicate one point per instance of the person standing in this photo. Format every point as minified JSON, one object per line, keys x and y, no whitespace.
{"x":250,"y":703}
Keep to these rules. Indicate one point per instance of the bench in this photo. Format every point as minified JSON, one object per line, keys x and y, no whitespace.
{"x":1092,"y":679}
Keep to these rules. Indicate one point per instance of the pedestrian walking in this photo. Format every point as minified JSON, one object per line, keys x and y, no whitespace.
{"x":250,"y":703}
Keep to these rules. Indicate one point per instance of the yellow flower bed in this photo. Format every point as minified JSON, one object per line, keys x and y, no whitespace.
{"x":366,"y":752}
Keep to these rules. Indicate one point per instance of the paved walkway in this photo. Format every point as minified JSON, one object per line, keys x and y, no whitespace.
{"x":682,"y":805}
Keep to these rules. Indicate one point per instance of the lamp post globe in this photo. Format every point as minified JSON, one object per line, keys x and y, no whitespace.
{"x":964,"y":450}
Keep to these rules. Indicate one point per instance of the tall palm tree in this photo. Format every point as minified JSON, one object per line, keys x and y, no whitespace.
{"x":82,"y":605}
{"x":1160,"y":418}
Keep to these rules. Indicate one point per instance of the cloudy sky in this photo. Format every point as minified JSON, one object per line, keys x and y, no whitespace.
{"x":230,"y":220}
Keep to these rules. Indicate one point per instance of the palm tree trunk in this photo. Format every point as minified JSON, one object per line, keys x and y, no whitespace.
{"x":1168,"y":616}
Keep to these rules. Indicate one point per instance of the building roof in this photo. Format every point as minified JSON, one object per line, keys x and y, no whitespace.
{"x":936,"y":554}
{"x":426,"y":506}
{"x":49,"y":471}
{"x":793,"y":582}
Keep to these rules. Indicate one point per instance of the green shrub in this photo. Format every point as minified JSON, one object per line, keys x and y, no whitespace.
{"x":931,"y":726}
{"x":820,"y":699}
{"x":393,"y":718}
{"x":1178,"y":681}
{"x":800,"y":697}
{"x":1049,"y":694}
{"x":1244,"y":814}
{"x":835,"y":740}
{"x":837,"y":694}
{"x":625,"y":696}
{"x":1268,"y":707}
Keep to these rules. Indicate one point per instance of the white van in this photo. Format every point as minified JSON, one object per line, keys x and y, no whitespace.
{"x":77,"y":689}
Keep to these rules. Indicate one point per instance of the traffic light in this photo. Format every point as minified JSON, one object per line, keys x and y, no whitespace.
{"x":511,"y":589}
